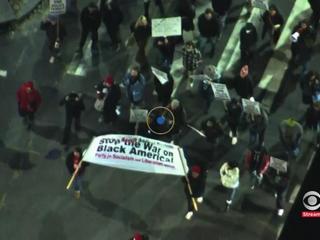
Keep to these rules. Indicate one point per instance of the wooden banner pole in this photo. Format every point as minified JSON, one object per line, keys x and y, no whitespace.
{"x":188,"y":182}
{"x":74,"y":176}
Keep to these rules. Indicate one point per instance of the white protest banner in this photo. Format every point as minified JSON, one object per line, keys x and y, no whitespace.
{"x":261,"y":4}
{"x":220,"y":91}
{"x":164,"y":27}
{"x":162,"y":76}
{"x":57,"y":6}
{"x":3,"y":73}
{"x":138,"y":115}
{"x":278,"y":164}
{"x":136,"y":153}
{"x":251,"y":107}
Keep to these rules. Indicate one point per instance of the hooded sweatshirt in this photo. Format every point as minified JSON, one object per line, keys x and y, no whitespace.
{"x":28,"y":102}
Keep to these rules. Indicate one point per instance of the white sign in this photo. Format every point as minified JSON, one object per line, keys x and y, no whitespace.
{"x":162,"y":76}
{"x":262,"y":4}
{"x":220,"y":91}
{"x":138,"y":115}
{"x":3,"y":73}
{"x":164,"y":27}
{"x":251,"y":107}
{"x":137,"y":154}
{"x":278,"y":164}
{"x":57,"y":6}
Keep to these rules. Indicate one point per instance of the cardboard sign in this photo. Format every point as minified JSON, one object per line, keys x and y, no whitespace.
{"x":251,"y":107}
{"x":220,"y":91}
{"x":278,"y":164}
{"x":57,"y":7}
{"x":262,"y":4}
{"x":162,"y":76}
{"x":138,"y":115}
{"x":164,"y":27}
{"x":136,"y":153}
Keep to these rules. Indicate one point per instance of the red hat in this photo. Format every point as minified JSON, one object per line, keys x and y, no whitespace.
{"x":108,"y":80}
{"x":196,"y":169}
{"x":137,"y":236}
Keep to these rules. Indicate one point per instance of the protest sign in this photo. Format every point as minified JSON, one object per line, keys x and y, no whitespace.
{"x":138,"y":115}
{"x":136,"y":153}
{"x":164,"y":27}
{"x":220,"y":91}
{"x":251,"y":107}
{"x":278,"y":164}
{"x":162,"y":76}
{"x":57,"y":7}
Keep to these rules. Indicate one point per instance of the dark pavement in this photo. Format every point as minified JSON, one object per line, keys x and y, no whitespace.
{"x":115,"y":203}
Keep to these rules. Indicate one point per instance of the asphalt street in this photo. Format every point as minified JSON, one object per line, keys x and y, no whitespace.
{"x":34,"y":204}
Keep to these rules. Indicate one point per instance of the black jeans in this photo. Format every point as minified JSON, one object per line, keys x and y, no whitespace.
{"x":28,"y":117}
{"x":84,"y":35}
{"x":67,"y":128}
{"x":113,"y":33}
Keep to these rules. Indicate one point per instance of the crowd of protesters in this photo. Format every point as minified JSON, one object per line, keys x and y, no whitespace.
{"x":256,"y":159}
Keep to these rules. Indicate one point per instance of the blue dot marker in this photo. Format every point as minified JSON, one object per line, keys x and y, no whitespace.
{"x":160,"y":120}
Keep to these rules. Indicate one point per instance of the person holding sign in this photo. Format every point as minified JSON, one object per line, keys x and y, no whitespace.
{"x":234,"y":112}
{"x":229,"y":176}
{"x":197,"y":180}
{"x":74,"y":163}
{"x":90,"y":22}
{"x":257,"y":162}
{"x":135,"y":83}
{"x":272,"y":23}
{"x":56,"y":33}
{"x":209,"y":28}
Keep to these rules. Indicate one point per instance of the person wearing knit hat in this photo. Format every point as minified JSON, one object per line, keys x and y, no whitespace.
{"x":197,"y":178}
{"x":139,"y":236}
{"x":109,"y":93}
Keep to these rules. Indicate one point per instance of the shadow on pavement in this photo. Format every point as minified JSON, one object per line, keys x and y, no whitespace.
{"x":52,"y":227}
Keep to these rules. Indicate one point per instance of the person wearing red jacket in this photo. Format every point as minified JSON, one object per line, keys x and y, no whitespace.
{"x":29,"y":100}
{"x":257,"y":161}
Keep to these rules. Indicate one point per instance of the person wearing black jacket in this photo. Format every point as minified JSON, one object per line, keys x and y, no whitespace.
{"x":112,"y":17}
{"x":315,"y":6}
{"x":141,"y":31}
{"x":212,"y":129}
{"x":310,"y":86}
{"x":56,"y":33}
{"x":197,"y":178}
{"x":179,"y":116}
{"x":146,"y":4}
{"x":257,"y":128}
{"x":221,"y":7}
{"x":166,"y":47}
{"x":243,"y":84}
{"x":209,"y":29}
{"x":90,"y":22}
{"x":74,"y":106}
{"x":272,"y":23}
{"x":111,"y":93}
{"x":234,"y":111}
{"x":248,"y":40}
{"x":73,"y":161}
{"x":164,"y":91}
{"x":186,"y":10}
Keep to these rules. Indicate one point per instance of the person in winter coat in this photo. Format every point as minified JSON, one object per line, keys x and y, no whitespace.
{"x":315,"y":6}
{"x":56,"y":33}
{"x":29,"y":100}
{"x":257,"y":161}
{"x":112,"y":17}
{"x":164,"y":91}
{"x":234,"y":111}
{"x":310,"y":86}
{"x":281,"y":183}
{"x":73,"y":161}
{"x":166,"y":47}
{"x":313,"y":119}
{"x":191,"y":59}
{"x":243,"y":83}
{"x":291,"y":133}
{"x":139,"y":236}
{"x":209,"y":28}
{"x":222,"y":8}
{"x":111,"y":94}
{"x":74,"y":106}
{"x":272,"y":23}
{"x":212,"y":129}
{"x":302,"y":43}
{"x":197,"y":179}
{"x":90,"y":22}
{"x":158,"y":3}
{"x":248,"y":40}
{"x":229,"y":175}
{"x":135,"y":84}
{"x":141,"y":32}
{"x":186,"y":10}
{"x":257,"y":127}
{"x":179,"y":115}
